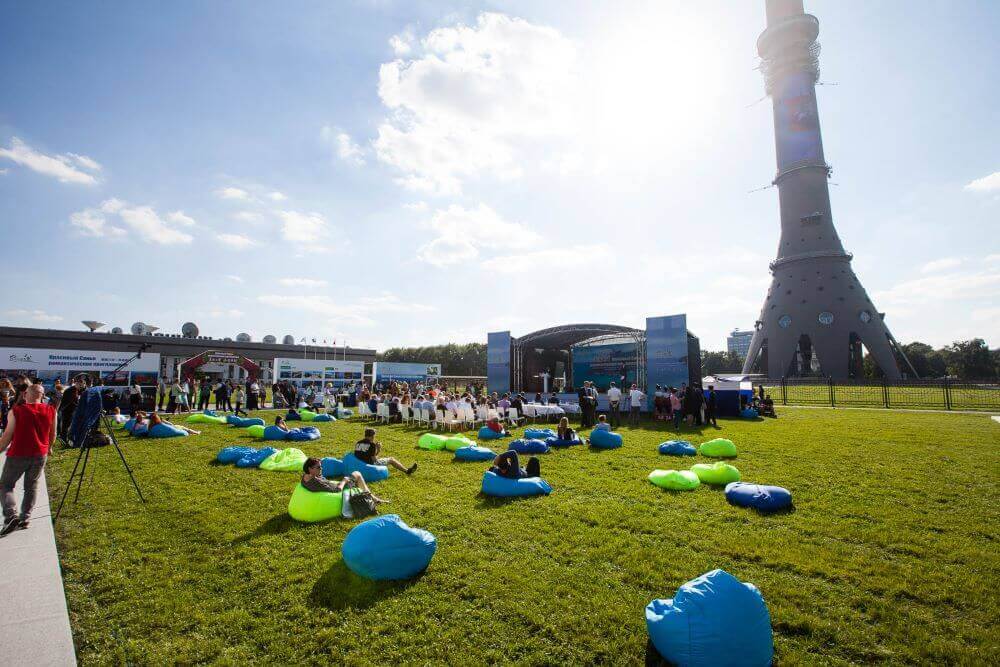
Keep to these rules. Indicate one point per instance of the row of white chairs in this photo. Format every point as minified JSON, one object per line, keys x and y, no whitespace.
{"x":463,"y":417}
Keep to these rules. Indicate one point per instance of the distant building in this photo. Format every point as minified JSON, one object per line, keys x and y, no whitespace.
{"x":739,"y":342}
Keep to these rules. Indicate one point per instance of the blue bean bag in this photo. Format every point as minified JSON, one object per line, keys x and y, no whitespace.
{"x":255,"y":459}
{"x":749,"y":413}
{"x":758,"y":496}
{"x":386,"y":548}
{"x":712,"y":620}
{"x":324,"y":418}
{"x":371,"y":473}
{"x":233,"y":454}
{"x":559,"y":442}
{"x":243,"y":422}
{"x":529,"y":446}
{"x":473,"y":453}
{"x":539,"y":433}
{"x":678,"y":448}
{"x":210,"y":413}
{"x":166,"y":431}
{"x":140,"y":430}
{"x":605,"y":439}
{"x":303,"y":434}
{"x":129,"y":424}
{"x":504,"y":487}
{"x":486,"y":433}
{"x":274,"y":433}
{"x":332,"y":467}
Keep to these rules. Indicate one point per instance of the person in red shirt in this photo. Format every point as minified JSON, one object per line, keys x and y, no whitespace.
{"x":30,"y":432}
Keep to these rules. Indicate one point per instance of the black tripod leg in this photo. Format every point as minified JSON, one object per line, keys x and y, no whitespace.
{"x":83,"y":473}
{"x":69,"y":483}
{"x":128,"y":469}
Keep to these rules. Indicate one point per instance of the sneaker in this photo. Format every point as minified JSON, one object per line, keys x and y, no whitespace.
{"x":22,"y":524}
{"x":411,"y":469}
{"x":10,"y":525}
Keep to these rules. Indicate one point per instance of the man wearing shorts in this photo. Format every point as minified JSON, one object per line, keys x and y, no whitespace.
{"x":368,"y":450}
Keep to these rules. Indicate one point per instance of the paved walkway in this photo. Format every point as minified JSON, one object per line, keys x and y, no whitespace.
{"x":34,"y":622}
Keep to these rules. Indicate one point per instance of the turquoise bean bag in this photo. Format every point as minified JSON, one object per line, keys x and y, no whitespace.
{"x":504,"y":487}
{"x":473,"y":453}
{"x":529,"y":446}
{"x":244,"y":422}
{"x":166,"y":431}
{"x":712,"y":620}
{"x":233,"y":454}
{"x":559,"y":442}
{"x":605,"y":439}
{"x":539,"y":434}
{"x":370,"y":473}
{"x":303,"y":434}
{"x":759,"y":497}
{"x":678,"y":448}
{"x":332,"y":467}
{"x":255,"y":459}
{"x":385,"y":548}
{"x":749,"y":413}
{"x":486,"y":433}
{"x":324,"y":418}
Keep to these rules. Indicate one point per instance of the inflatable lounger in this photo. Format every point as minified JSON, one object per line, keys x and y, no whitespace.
{"x":332,"y":467}
{"x":274,"y":433}
{"x":559,"y":442}
{"x":473,"y":453}
{"x":605,"y":439}
{"x":718,"y":448}
{"x":675,"y":480}
{"x":386,"y":548}
{"x":505,"y":487}
{"x":712,"y":620}
{"x":677,"y":448}
{"x":432,"y":441}
{"x":202,"y":418}
{"x":456,"y":442}
{"x":370,"y":473}
{"x":486,"y":433}
{"x":539,"y":434}
{"x":311,"y":506}
{"x":255,"y":459}
{"x":244,"y":422}
{"x":309,"y":416}
{"x":166,"y":431}
{"x":529,"y":446}
{"x":284,"y":460}
{"x":759,"y":497}
{"x":233,"y":454}
{"x":717,"y":473}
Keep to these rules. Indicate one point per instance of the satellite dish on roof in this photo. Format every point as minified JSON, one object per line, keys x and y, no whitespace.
{"x":227,"y":339}
{"x":150,"y":328}
{"x":189,"y":330}
{"x":117,"y":330}
{"x":93,"y":325}
{"x":138,"y":329}
{"x":288,"y":340}
{"x":270,"y":340}
{"x":243,"y":338}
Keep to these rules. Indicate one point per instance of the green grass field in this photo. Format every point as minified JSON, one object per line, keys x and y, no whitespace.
{"x":891,"y":554}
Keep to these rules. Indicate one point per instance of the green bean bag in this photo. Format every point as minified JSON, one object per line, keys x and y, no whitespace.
{"x":202,"y":418}
{"x":718,"y":448}
{"x":675,"y":480}
{"x":432,"y":441}
{"x":312,"y":506}
{"x":256,"y":431}
{"x":285,"y":460}
{"x":718,"y":473}
{"x":455,"y":443}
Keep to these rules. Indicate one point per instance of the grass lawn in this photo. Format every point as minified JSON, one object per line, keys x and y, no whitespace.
{"x":891,"y":554}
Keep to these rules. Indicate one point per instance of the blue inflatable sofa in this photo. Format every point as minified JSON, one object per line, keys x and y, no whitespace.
{"x":386,"y":548}
{"x":678,"y":448}
{"x":758,"y":496}
{"x":504,"y":487}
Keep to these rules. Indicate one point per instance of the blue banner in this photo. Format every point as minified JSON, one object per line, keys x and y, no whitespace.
{"x":498,"y":361}
{"x":666,"y":353}
{"x":604,"y":364}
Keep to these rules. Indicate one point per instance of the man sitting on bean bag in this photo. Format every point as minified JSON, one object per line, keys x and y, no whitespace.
{"x":368,"y":450}
{"x":602,"y":425}
{"x":313,"y":480}
{"x":494,"y":425}
{"x":507,"y":465}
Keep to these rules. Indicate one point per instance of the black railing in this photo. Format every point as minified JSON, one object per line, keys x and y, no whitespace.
{"x":944,"y":394}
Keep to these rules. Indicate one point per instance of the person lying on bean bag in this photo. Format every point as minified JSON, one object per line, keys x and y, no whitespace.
{"x":279,"y":421}
{"x":368,"y":449}
{"x":155,"y":419}
{"x":313,"y":480}
{"x":509,"y":466}
{"x":494,"y":425}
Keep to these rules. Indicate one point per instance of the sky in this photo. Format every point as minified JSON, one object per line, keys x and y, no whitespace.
{"x":396,"y":172}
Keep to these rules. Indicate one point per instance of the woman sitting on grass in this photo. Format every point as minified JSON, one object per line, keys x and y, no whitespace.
{"x":509,"y":466}
{"x":368,"y":450}
{"x":313,"y":480}
{"x":155,"y":419}
{"x":565,"y":431}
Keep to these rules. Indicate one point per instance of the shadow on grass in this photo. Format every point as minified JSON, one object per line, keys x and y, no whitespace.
{"x":492,"y":502}
{"x":276,"y":525}
{"x":339,"y":588}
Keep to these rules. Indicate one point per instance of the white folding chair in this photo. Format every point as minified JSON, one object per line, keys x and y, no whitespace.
{"x":451,"y":418}
{"x":405,"y":414}
{"x":512,"y":416}
{"x":382,"y":412}
{"x":363,"y":410}
{"x":422,"y":417}
{"x":482,"y":414}
{"x":468,"y":416}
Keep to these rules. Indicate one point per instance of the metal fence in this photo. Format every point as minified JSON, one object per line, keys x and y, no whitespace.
{"x":909,"y":394}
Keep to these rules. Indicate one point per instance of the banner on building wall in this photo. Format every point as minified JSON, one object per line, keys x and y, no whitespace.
{"x":52,"y":365}
{"x":498,"y":361}
{"x":666,"y":353}
{"x":303,"y":372}
{"x":388,"y":371}
{"x":604,"y":364}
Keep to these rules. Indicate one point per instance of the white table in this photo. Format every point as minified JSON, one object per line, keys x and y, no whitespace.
{"x":542,"y":410}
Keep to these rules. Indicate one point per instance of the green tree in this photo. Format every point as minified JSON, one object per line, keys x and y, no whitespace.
{"x":715,"y":363}
{"x":464,"y":359}
{"x":970,"y":359}
{"x":928,"y":362}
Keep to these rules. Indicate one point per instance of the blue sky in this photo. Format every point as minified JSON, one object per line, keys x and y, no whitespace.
{"x":406,"y":173}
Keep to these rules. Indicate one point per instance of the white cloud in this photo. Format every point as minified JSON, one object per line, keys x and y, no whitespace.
{"x":233,"y":193}
{"x":402,"y":44}
{"x":34,"y":315}
{"x":991,"y":259}
{"x":343,"y":145}
{"x":983,"y":284}
{"x":357,"y":313}
{"x":989,"y":314}
{"x":307,"y":283}
{"x":303,"y":227}
{"x":460,"y":107}
{"x":236,"y":241}
{"x":276,"y":196}
{"x":418,"y":206}
{"x":985,"y":184}
{"x":941,"y":264}
{"x":462,"y":232}
{"x":230,"y":313}
{"x":235,"y":279}
{"x":246,"y":216}
{"x":64,"y":168}
{"x":143,"y":221}
{"x":551,"y":258}
{"x":180,"y":218}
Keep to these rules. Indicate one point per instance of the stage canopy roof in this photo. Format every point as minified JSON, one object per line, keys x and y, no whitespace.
{"x":565,"y":336}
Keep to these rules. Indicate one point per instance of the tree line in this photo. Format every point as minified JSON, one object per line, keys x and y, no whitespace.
{"x":455,"y":359}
